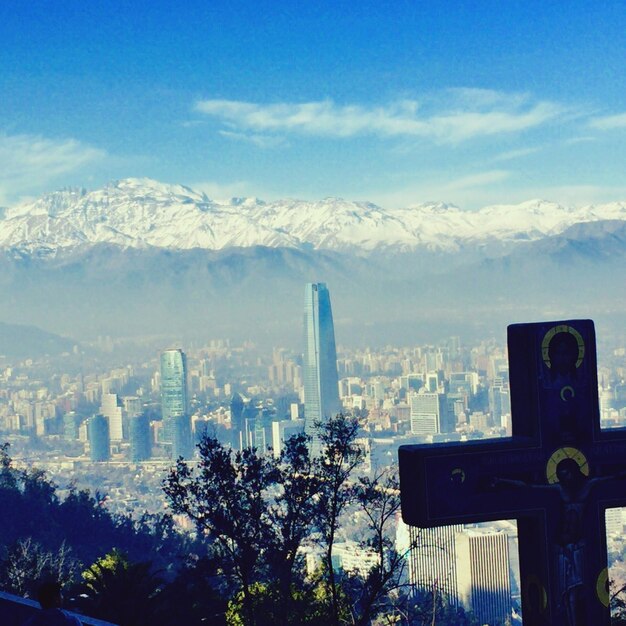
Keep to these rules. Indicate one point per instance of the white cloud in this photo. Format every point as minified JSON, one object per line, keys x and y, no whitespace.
{"x":27,"y":161}
{"x":467,"y":193}
{"x":470,"y":191}
{"x":470,"y":96}
{"x":514,"y":154}
{"x":261,"y":141}
{"x":459,"y":116}
{"x":609,"y":122}
{"x":479,"y":180}
{"x":192,"y":123}
{"x":580,"y":195}
{"x":581,"y":139}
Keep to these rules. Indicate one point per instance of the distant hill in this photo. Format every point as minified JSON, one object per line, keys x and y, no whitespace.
{"x":22,"y":342}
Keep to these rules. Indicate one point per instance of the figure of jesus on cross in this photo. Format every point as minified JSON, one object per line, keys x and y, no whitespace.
{"x":574,"y":489}
{"x":556,"y":475}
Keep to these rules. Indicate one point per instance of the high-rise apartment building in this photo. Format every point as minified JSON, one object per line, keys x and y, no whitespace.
{"x":99,"y":438}
{"x":237,"y":425}
{"x":321,"y":383}
{"x":281,"y":431}
{"x":430,"y":414}
{"x":432,"y":560}
{"x":468,"y":567}
{"x":110,"y":407}
{"x":132,"y":405}
{"x":140,"y":438}
{"x":71,"y":423}
{"x":174,"y":406}
{"x":499,"y":399}
{"x":483,"y":574}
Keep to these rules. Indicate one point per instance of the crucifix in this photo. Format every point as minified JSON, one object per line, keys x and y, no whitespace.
{"x":556,"y":474}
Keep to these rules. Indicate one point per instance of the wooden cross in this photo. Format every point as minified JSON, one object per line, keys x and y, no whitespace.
{"x":556,"y":475}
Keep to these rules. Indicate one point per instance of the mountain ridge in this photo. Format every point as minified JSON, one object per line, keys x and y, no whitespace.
{"x":144,"y":213}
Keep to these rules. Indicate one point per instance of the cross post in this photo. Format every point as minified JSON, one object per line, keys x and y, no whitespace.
{"x":556,"y":475}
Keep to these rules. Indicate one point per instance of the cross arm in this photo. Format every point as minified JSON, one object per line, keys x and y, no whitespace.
{"x":443,"y":484}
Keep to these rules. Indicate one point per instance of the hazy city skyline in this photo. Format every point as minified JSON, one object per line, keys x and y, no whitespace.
{"x":450,"y":389}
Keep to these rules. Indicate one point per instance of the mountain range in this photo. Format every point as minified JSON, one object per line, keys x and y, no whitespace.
{"x":139,"y":257}
{"x":142,"y":213}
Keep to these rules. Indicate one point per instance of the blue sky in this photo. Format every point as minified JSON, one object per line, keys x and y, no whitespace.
{"x":396,"y":102}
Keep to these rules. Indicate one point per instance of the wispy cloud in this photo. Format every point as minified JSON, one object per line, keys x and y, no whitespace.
{"x":459,"y":116}
{"x":192,"y":123}
{"x":514,"y":154}
{"x":469,"y":191}
{"x":609,"y":122}
{"x":470,"y":196}
{"x":480,"y":98}
{"x":478,"y":180}
{"x":27,"y":161}
{"x":581,"y":139}
{"x":578,"y":195}
{"x":261,"y":141}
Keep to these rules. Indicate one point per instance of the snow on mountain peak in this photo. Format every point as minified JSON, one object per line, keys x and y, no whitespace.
{"x":139,"y":212}
{"x":247,"y":202}
{"x":148,"y":187}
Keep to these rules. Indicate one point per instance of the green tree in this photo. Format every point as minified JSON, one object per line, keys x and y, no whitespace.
{"x":257,"y":511}
{"x":427,"y":608}
{"x":226,"y":499}
{"x":191,"y":598}
{"x":292,"y":510}
{"x":25,"y":563}
{"x":119,"y":591}
{"x":378,"y":498}
{"x":81,"y":520}
{"x":339,"y":458}
{"x":8,"y":479}
{"x":617,"y":604}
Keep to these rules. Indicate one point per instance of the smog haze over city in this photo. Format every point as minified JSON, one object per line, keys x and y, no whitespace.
{"x":204,"y":207}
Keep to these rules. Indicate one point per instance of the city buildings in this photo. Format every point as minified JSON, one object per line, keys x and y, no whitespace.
{"x":71,"y":424}
{"x":253,"y":390}
{"x":111,"y":408}
{"x":282,"y":430}
{"x":140,"y":438}
{"x":467,"y":566}
{"x":432,"y":560}
{"x":430,"y":414}
{"x":321,"y":386}
{"x":174,"y":403}
{"x":351,"y":556}
{"x":99,"y":438}
{"x":237,"y":425}
{"x":482,"y":565}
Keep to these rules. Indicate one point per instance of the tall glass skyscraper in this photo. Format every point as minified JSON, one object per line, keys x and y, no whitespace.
{"x":237,"y":424}
{"x":99,"y":438}
{"x":174,"y":407}
{"x":140,"y":441}
{"x":321,"y":389}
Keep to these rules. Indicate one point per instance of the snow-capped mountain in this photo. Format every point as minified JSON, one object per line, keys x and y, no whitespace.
{"x":143,"y":213}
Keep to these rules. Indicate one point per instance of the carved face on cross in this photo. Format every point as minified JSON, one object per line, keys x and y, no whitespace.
{"x":565,"y":350}
{"x":568,"y":473}
{"x":556,"y":475}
